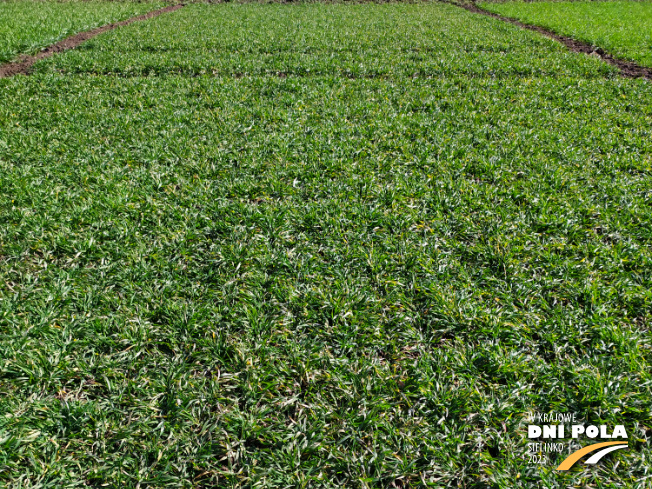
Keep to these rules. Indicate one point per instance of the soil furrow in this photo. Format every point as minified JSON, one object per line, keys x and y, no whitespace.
{"x":628,"y":69}
{"x":23,"y":64}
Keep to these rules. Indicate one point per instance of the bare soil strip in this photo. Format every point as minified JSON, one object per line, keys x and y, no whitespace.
{"x":628,"y":69}
{"x":23,"y":64}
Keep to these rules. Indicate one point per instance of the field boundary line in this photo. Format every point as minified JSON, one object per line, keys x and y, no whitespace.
{"x":22,"y":65}
{"x":628,"y":69}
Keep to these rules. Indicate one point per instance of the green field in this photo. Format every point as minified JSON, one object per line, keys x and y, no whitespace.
{"x":622,"y":28}
{"x":321,"y":246}
{"x":26,"y":26}
{"x":319,"y":40}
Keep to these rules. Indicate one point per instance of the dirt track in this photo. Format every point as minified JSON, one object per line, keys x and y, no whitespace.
{"x":23,"y":64}
{"x":628,"y":69}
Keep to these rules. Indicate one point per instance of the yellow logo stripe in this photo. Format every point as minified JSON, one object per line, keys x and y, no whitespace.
{"x":575,"y":456}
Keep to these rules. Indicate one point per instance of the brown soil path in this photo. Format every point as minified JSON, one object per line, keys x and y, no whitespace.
{"x":23,"y":64}
{"x":628,"y":69}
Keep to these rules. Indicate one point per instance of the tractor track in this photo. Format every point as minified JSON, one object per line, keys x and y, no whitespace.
{"x":23,"y":64}
{"x":628,"y":69}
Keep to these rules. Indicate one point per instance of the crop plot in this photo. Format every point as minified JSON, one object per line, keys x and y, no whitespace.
{"x":26,"y":27}
{"x":321,"y":40}
{"x":238,"y":251}
{"x":623,"y":28}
